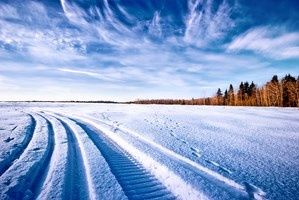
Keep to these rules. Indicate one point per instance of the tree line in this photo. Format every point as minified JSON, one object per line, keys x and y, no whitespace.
{"x":276,"y":92}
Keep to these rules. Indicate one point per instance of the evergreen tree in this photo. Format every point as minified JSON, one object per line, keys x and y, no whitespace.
{"x":225,"y":98}
{"x":246,"y":88}
{"x":231,"y":95}
{"x":252,"y":89}
{"x":241,"y":94}
{"x":219,"y":97}
{"x":289,"y":78}
{"x":231,"y":88}
{"x":252,"y":94}
{"x":274,"y":79}
{"x":219,"y":93}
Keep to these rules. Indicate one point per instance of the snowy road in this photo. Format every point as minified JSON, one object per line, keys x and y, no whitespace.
{"x":77,"y":151}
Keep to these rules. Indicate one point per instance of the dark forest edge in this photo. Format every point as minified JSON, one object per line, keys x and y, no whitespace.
{"x":279,"y":93}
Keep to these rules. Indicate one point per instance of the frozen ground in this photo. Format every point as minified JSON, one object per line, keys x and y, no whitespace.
{"x":109,"y":151}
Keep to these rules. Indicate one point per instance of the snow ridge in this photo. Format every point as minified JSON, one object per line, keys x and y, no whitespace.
{"x":257,"y":194}
{"x":179,"y":157}
{"x":53,"y":184}
{"x":136,"y":182}
{"x":173,"y":182}
{"x":76,"y":178}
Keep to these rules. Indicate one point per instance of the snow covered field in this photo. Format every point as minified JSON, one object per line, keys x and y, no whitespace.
{"x":114,"y":151}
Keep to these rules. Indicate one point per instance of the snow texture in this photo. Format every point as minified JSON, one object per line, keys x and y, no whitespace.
{"x":115,"y":151}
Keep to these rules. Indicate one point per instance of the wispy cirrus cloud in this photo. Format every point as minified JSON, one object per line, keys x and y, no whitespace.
{"x":158,"y":48}
{"x":155,"y":28}
{"x":204,"y":25}
{"x":8,"y":11}
{"x":38,"y":32}
{"x":38,"y":37}
{"x":269,"y":41}
{"x":130,"y":76}
{"x":99,"y":24}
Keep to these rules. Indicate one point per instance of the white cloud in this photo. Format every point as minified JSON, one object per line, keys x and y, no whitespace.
{"x":108,"y":29}
{"x":130,"y":75}
{"x":55,"y":50}
{"x":155,"y":28}
{"x":203,"y":25}
{"x":39,"y":38}
{"x":43,"y":37}
{"x":8,"y":11}
{"x":87,"y":73}
{"x":268,"y":41}
{"x":290,"y":52}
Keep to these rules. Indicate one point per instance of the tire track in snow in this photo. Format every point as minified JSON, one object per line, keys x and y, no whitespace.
{"x":101,"y":183}
{"x":136,"y":181}
{"x":43,"y":168}
{"x":17,"y":151}
{"x":174,"y":183}
{"x":257,"y":193}
{"x":229,"y":182}
{"x":168,"y":152}
{"x":75,"y":178}
{"x":52,"y":184}
{"x":25,"y":176}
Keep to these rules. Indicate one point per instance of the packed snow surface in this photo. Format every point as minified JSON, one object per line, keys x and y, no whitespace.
{"x":118,"y":151}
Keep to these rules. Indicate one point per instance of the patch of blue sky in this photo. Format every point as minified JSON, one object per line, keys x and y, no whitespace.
{"x":152,"y":48}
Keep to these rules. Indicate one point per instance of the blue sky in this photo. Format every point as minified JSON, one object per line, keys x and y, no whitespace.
{"x":128,"y":49}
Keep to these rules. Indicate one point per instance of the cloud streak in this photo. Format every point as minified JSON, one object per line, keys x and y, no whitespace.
{"x":268,"y":41}
{"x":203,"y":25}
{"x":175,"y":47}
